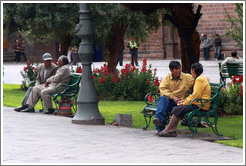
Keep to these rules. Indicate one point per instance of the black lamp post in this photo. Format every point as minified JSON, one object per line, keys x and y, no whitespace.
{"x":87,"y":112}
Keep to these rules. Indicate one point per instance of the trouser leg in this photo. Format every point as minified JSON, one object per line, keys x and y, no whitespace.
{"x":24,"y":56}
{"x":132,"y":58}
{"x":136,"y":58}
{"x":120,"y":58}
{"x":164,"y":107}
{"x":18,"y":58}
{"x":34,"y":95}
{"x":45,"y":94}
{"x":28,"y":92}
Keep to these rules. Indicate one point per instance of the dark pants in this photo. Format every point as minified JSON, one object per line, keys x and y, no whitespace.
{"x":217,"y":52}
{"x":120,"y":58}
{"x":24,"y":55}
{"x":74,"y":58}
{"x":134,"y":56}
{"x":206,"y":53}
{"x":17,"y":56}
{"x":28,"y":92}
{"x":164,"y":107}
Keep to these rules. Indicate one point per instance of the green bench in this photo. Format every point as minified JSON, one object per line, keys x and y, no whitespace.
{"x":68,"y":93}
{"x":229,"y":70}
{"x":234,"y":69}
{"x":193,"y":118}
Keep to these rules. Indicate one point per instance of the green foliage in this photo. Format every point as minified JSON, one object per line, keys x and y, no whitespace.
{"x":231,"y":99}
{"x":129,"y":84}
{"x":109,"y":15}
{"x":235,"y":32}
{"x":29,"y":74}
{"x":40,"y":21}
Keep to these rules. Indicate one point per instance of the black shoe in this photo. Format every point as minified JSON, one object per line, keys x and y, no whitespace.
{"x":157,"y":122}
{"x":49,"y":111}
{"x":29,"y":109}
{"x":20,"y":108}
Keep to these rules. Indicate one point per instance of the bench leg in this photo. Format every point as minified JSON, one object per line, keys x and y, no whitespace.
{"x":193,"y":121}
{"x":213,"y":124}
{"x":146,"y":116}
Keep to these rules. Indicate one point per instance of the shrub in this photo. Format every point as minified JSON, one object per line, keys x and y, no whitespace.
{"x":29,"y":74}
{"x":231,"y":98}
{"x":128,"y":84}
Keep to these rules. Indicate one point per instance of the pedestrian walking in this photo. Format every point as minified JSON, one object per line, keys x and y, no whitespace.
{"x":22,"y":50}
{"x":16,"y":47}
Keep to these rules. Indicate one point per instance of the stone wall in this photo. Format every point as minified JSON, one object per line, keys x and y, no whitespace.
{"x":213,"y":21}
{"x":163,"y":44}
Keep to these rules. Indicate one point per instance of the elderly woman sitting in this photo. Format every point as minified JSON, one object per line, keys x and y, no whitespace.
{"x":201,"y":89}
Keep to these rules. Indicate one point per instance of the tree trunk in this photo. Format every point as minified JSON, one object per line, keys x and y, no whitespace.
{"x":116,"y":47}
{"x":186,"y":22}
{"x":183,"y":17}
{"x":65,"y":44}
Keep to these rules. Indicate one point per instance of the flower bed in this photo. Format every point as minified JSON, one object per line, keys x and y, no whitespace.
{"x":231,"y":98}
{"x":130,"y":83}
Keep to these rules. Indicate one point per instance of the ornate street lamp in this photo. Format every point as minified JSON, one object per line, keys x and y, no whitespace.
{"x":87,"y":112}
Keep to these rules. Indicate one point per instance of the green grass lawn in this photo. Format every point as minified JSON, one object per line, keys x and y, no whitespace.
{"x":230,"y":126}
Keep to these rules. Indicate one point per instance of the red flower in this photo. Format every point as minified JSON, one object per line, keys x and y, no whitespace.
{"x":143,"y":69}
{"x":105,"y":70}
{"x":150,"y":98}
{"x":236,"y":79}
{"x":93,"y":77}
{"x":147,"y":81}
{"x":27,"y":63}
{"x":56,"y":63}
{"x":156,"y":82}
{"x":144,"y":62}
{"x":25,"y":68}
{"x":116,"y":80}
{"x":101,"y":80}
{"x":241,"y":78}
{"x":79,"y":69}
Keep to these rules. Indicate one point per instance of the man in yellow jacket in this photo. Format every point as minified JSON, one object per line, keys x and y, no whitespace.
{"x":132,"y":44}
{"x":173,"y":88}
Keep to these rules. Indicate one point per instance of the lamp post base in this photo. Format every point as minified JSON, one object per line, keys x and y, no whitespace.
{"x":90,"y":122}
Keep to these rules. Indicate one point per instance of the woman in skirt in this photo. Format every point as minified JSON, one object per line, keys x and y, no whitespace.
{"x":201,"y":89}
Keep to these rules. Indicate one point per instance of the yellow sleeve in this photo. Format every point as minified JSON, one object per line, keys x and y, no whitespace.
{"x":198,"y":89}
{"x":164,"y":88}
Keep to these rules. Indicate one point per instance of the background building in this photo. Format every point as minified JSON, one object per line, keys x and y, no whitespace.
{"x":164,"y":44}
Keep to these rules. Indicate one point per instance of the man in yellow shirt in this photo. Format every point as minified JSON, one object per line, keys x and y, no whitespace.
{"x":173,"y":88}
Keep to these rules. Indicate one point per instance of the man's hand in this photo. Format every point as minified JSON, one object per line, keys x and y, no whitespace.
{"x":46,"y":84}
{"x":176,"y":100}
{"x":180,"y":102}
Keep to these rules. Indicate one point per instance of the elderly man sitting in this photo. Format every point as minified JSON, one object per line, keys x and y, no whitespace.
{"x":62,"y":75}
{"x":45,"y":71}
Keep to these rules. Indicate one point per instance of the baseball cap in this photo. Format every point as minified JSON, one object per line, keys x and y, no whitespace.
{"x":47,"y":56}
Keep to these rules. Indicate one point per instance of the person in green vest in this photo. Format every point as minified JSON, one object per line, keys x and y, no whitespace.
{"x":132,"y":44}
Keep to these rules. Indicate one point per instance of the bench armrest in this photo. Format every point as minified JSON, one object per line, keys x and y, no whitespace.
{"x":61,"y":88}
{"x":151,"y":98}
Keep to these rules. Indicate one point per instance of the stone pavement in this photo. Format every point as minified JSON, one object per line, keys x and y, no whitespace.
{"x":211,"y":70}
{"x":36,"y":138}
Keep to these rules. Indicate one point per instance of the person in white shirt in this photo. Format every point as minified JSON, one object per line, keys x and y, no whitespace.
{"x":233,"y":59}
